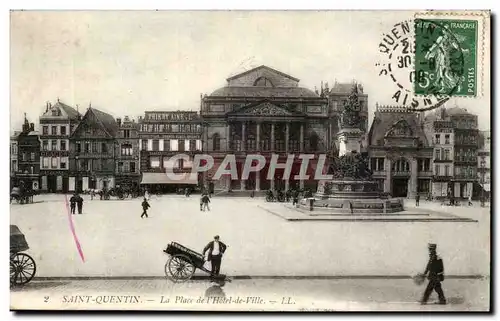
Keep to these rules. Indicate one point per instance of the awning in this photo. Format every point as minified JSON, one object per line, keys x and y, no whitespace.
{"x":487,"y":187}
{"x":162,"y":178}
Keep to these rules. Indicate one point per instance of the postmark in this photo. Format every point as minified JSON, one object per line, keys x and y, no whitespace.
{"x":409,"y":67}
{"x":397,"y":50}
{"x":445,"y":57}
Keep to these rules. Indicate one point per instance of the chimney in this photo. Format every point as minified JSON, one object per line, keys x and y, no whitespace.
{"x":119,"y":121}
{"x":32,"y":127}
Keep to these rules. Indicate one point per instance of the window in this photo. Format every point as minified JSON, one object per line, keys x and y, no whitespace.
{"x":45,"y":145}
{"x":45,"y":130}
{"x":62,"y":164}
{"x":87,"y":147}
{"x":144,"y":144}
{"x":216,"y":142}
{"x":156,"y":145}
{"x":438,"y":139}
{"x":126,"y":133}
{"x":427,"y":164}
{"x":104,"y":147}
{"x":175,"y":128}
{"x":447,"y":170}
{"x":63,"y":130}
{"x":436,"y":170}
{"x":187,"y":145}
{"x":199,"y":145}
{"x":53,"y":162}
{"x":187,"y":164}
{"x":166,"y":145}
{"x":127,"y":149}
{"x":32,"y":156}
{"x":447,"y":154}
{"x":438,"y":154}
{"x":154,"y":161}
{"x":120,"y":167}
{"x":53,"y":130}
{"x":132,"y":167}
{"x":23,"y":157}
{"x":54,"y":145}
{"x":174,"y":145}
{"x":192,"y":145}
{"x":78,"y":147}
{"x":181,"y":145}
{"x":447,"y":138}
{"x":45,"y":162}
{"x":63,"y":145}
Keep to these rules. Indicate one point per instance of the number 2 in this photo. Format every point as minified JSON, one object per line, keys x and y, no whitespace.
{"x":45,"y":299}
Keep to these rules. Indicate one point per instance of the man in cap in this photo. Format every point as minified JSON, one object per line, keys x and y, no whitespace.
{"x":435,"y":274}
{"x":215,"y":250}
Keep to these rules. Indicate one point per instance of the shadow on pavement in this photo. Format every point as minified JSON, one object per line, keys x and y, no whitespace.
{"x":37,"y":285}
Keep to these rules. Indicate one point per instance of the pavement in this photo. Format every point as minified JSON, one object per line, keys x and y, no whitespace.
{"x":116,"y":242}
{"x":250,"y":294}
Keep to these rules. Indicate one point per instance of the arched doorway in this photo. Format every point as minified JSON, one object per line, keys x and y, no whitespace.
{"x":400,"y":170}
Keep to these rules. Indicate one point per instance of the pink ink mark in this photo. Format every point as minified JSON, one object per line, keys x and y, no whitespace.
{"x":72,"y":228}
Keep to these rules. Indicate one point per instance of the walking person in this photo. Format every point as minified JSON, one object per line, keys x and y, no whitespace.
{"x":215,"y":250}
{"x":417,"y":200}
{"x":435,"y":274}
{"x":79,"y":203}
{"x":72,"y":203}
{"x":205,"y":199}
{"x":470,"y":199}
{"x":145,"y":206}
{"x":295,"y":197}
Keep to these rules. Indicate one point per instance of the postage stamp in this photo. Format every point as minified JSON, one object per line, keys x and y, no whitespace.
{"x":445,"y":57}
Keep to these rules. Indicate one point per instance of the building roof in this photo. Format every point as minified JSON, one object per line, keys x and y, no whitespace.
{"x":345,"y":88}
{"x":265,"y":108}
{"x":456,"y":111}
{"x":106,"y":120}
{"x":264,"y":92}
{"x":260,"y":67}
{"x":386,"y":117}
{"x":70,"y":111}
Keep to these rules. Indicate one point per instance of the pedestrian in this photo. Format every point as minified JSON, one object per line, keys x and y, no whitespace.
{"x":146,"y":195}
{"x":145,"y":206}
{"x":79,"y":203}
{"x":215,"y":250}
{"x":252,"y":194}
{"x":205,"y":199}
{"x":470,"y":199}
{"x":72,"y":203}
{"x":435,"y":274}
{"x":295,"y":198}
{"x":92,"y":194}
{"x":417,"y":200}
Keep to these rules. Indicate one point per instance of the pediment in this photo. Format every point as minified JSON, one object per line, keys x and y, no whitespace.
{"x":266,"y":109}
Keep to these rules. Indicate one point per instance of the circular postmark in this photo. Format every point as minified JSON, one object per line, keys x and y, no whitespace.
{"x":421,"y":61}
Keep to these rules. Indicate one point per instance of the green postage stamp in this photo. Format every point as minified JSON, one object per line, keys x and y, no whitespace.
{"x":446,"y":52}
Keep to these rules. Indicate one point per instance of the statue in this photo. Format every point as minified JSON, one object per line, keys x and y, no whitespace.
{"x":350,"y":166}
{"x":350,"y":117}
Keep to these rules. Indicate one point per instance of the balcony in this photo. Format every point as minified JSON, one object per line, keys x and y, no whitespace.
{"x":425,"y":174}
{"x":442,"y":178}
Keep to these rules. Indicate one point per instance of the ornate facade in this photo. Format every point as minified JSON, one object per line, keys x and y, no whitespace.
{"x":400,"y":153}
{"x":162,"y":135}
{"x":92,"y":152}
{"x":56,"y":124}
{"x":264,"y":111}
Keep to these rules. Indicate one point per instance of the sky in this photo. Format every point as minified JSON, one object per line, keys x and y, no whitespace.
{"x":126,"y":62}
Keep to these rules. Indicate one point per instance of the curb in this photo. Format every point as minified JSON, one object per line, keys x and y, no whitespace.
{"x":258,"y":277}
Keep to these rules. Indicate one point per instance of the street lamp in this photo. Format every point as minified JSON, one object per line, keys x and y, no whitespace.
{"x":483,"y":165}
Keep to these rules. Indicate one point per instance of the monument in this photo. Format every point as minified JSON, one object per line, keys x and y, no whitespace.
{"x":352,"y":190}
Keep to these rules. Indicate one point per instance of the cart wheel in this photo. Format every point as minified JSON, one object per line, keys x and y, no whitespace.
{"x":179,"y":268}
{"x":22,"y":268}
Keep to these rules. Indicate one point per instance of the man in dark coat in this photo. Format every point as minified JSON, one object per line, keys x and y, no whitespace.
{"x":215,"y":250}
{"x":205,"y":199}
{"x":145,"y":206}
{"x":435,"y":274}
{"x":72,"y":202}
{"x":79,"y":203}
{"x":295,"y":197}
{"x":417,"y":200}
